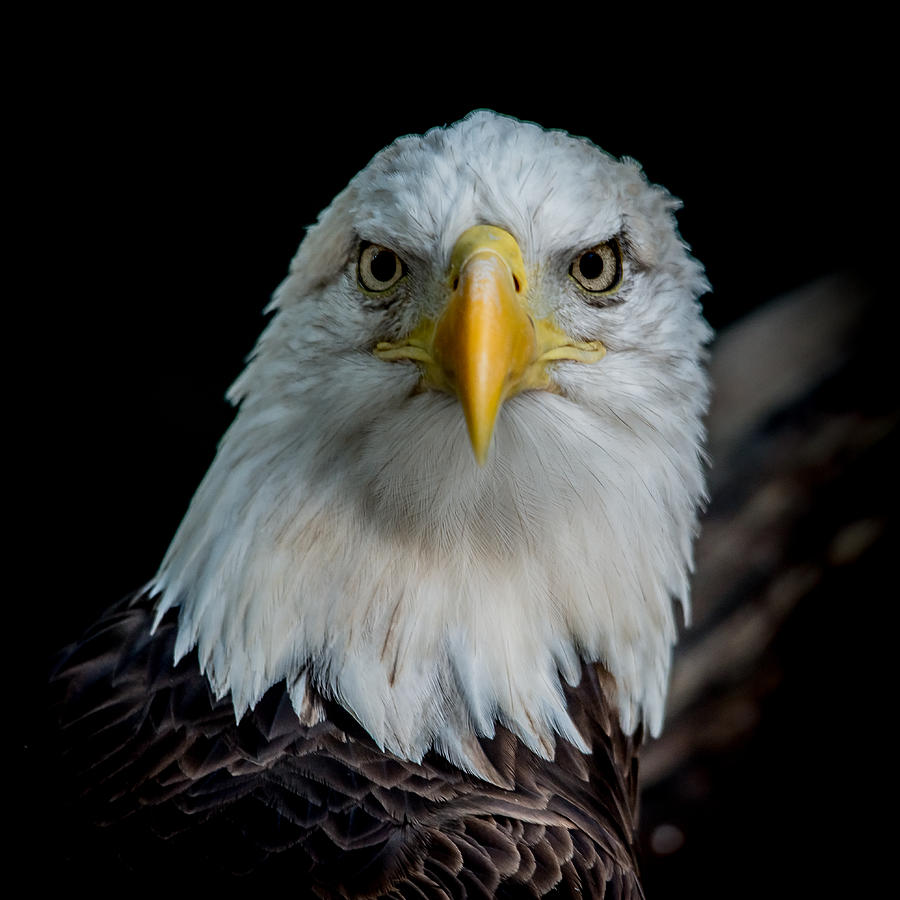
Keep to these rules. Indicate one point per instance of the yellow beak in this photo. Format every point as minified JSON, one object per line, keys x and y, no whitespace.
{"x":485,"y":340}
{"x":485,"y":346}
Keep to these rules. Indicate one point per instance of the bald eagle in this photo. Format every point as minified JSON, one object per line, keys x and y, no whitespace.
{"x":420,"y":613}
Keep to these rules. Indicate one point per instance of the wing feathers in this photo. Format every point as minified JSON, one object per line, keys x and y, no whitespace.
{"x":153,"y":752}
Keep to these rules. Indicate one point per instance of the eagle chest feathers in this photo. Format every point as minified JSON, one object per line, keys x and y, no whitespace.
{"x":420,"y":611}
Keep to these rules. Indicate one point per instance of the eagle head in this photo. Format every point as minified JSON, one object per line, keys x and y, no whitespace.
{"x":467,"y":455}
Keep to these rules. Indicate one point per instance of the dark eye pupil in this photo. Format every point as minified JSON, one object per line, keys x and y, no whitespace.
{"x":591,"y":265}
{"x":383,"y":265}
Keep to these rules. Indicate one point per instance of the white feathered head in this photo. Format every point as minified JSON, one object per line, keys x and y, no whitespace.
{"x":468,"y":453}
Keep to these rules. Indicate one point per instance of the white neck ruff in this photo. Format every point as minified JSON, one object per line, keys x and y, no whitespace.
{"x":430,"y":597}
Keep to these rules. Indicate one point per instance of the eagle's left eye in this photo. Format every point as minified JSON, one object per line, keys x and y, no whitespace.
{"x":599,"y":270}
{"x":379,"y":268}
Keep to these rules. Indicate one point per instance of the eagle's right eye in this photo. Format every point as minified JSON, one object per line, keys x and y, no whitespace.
{"x":599,"y":269}
{"x":379,"y":268}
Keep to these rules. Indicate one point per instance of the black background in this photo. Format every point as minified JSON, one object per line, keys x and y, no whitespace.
{"x":163,"y":178}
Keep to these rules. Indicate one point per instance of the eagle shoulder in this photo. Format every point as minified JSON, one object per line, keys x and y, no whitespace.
{"x":167,"y":782}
